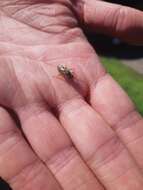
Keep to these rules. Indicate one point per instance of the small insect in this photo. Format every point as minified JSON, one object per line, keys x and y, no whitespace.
{"x":65,"y":72}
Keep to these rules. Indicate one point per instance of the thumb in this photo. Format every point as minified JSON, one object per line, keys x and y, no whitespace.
{"x":112,"y":19}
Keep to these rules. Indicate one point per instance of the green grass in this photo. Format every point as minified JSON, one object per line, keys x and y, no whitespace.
{"x":131,"y":81}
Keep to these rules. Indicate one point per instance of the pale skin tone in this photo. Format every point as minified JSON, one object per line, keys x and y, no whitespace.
{"x":85,"y":134}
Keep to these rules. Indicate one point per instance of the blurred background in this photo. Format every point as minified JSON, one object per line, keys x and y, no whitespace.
{"x":124,"y":62}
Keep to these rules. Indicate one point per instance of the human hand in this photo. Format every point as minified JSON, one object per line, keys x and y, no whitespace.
{"x":83,"y":133}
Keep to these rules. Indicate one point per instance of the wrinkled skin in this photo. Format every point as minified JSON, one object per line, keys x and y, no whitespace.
{"x":82,"y":133}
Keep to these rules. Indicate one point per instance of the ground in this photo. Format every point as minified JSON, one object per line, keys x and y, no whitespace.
{"x":136,"y":64}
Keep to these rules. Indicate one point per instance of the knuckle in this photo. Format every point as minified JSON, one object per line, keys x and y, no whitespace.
{"x":124,"y":18}
{"x":107,"y":152}
{"x":26,"y":177}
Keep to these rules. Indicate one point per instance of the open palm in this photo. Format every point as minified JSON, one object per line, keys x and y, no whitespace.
{"x":82,"y":133}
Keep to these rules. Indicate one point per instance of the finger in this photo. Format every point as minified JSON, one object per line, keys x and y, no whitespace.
{"x":100,"y":147}
{"x":117,"y":109}
{"x":54,"y":147}
{"x":116,"y":20}
{"x":19,"y":166}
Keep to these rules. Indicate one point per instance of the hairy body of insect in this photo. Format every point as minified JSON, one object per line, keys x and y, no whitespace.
{"x":64,"y":71}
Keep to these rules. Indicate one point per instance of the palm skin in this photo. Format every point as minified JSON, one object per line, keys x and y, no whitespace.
{"x":79,"y":136}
